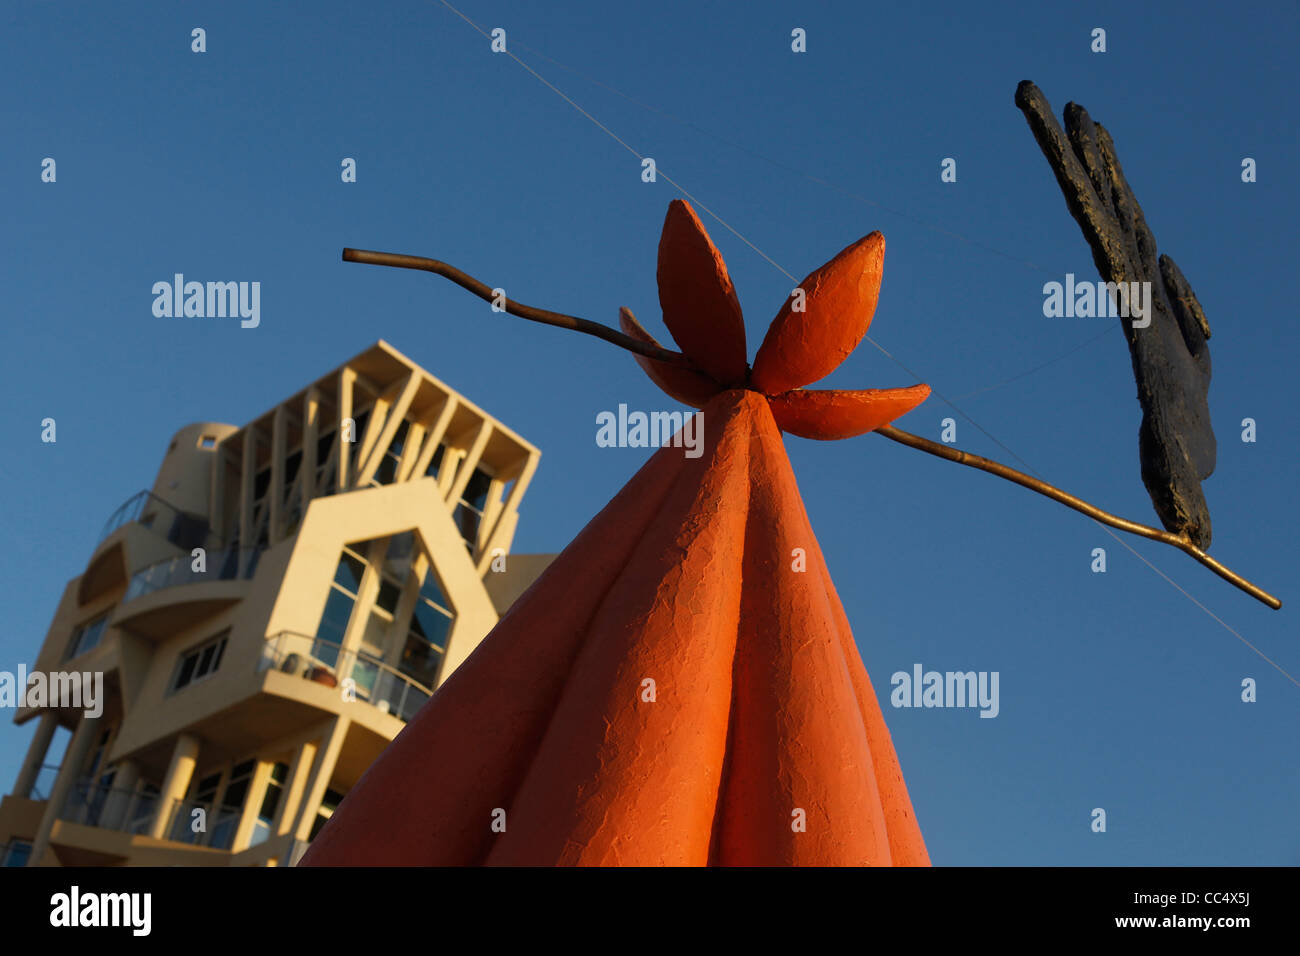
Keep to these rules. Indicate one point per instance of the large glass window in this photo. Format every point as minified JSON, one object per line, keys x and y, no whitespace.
{"x":87,"y":636}
{"x":226,"y":817}
{"x":203,"y":795}
{"x":270,"y":804}
{"x":426,"y":641}
{"x":403,"y":631}
{"x":338,"y":607}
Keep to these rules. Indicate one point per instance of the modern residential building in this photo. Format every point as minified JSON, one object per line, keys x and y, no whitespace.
{"x":266,"y":619}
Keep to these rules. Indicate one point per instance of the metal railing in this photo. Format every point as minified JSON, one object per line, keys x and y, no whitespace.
{"x":133,"y":811}
{"x":230,"y":565}
{"x":214,"y":827}
{"x":109,"y":807}
{"x":163,"y":518}
{"x":327,"y":663}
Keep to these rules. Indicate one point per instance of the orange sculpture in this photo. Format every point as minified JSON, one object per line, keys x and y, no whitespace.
{"x":681,"y":685}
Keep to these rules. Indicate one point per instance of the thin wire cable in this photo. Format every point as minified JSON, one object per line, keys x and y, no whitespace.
{"x":820,"y":181}
{"x":876,"y":344}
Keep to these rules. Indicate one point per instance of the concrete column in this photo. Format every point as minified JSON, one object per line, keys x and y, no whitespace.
{"x":36,"y":752}
{"x":247,"y":474}
{"x":322,"y":769}
{"x":299,"y":774}
{"x":310,"y":436}
{"x":179,"y":772}
{"x":275,"y":492}
{"x":120,"y":796}
{"x":82,"y":740}
{"x":252,"y":805}
{"x":343,"y":447}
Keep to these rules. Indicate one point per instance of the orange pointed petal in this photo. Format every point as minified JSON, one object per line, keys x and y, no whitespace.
{"x":827,"y":414}
{"x":689,"y":388}
{"x":839,"y":300}
{"x":698,"y":299}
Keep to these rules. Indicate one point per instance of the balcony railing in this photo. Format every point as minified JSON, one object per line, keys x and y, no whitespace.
{"x":327,"y":663}
{"x":181,"y":528}
{"x":112,"y":808}
{"x":235,"y":564}
{"x":214,"y":827}
{"x":131,"y":811}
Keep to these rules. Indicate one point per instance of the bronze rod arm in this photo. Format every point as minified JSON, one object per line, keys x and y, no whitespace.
{"x":1078,"y":504}
{"x":545,"y":316}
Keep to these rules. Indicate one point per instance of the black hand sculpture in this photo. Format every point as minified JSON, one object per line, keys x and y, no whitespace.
{"x":1171,"y":360}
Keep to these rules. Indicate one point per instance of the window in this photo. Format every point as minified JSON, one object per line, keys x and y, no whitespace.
{"x":232,"y":805}
{"x":87,"y":636}
{"x":401,"y":634}
{"x":338,"y":607}
{"x":17,"y":854}
{"x":473,"y":500}
{"x":426,"y":640}
{"x":270,"y":804}
{"x":386,"y":473}
{"x":207,"y":442}
{"x":291,"y":465}
{"x":201,"y":662}
{"x":432,"y":470}
{"x":203,"y":793}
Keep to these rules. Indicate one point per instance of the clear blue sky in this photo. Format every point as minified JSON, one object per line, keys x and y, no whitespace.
{"x":1116,"y":690}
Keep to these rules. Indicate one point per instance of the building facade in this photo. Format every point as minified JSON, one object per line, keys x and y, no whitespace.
{"x":266,"y":618}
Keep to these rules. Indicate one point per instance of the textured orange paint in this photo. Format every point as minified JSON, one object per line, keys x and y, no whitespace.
{"x":828,"y":414}
{"x":761,"y":705}
{"x":689,"y":388}
{"x":699,"y":302}
{"x":839,"y":301}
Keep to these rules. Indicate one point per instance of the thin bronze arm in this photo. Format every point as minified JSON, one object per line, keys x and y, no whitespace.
{"x":1078,"y":504}
{"x":544,"y":316}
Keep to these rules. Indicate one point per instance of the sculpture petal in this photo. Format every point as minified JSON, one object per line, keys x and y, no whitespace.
{"x":689,"y":388}
{"x":839,"y":300}
{"x":827,"y":414}
{"x":698,"y":299}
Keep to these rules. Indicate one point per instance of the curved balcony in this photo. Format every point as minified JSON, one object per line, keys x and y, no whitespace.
{"x":181,"y":528}
{"x":328,"y":664}
{"x":234,"y":564}
{"x":169,"y":595}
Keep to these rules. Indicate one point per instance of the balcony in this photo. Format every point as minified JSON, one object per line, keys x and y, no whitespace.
{"x":134,"y":812}
{"x":234,"y":564}
{"x":218,"y":823}
{"x":328,"y":664}
{"x":181,"y":528}
{"x":110,"y":808}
